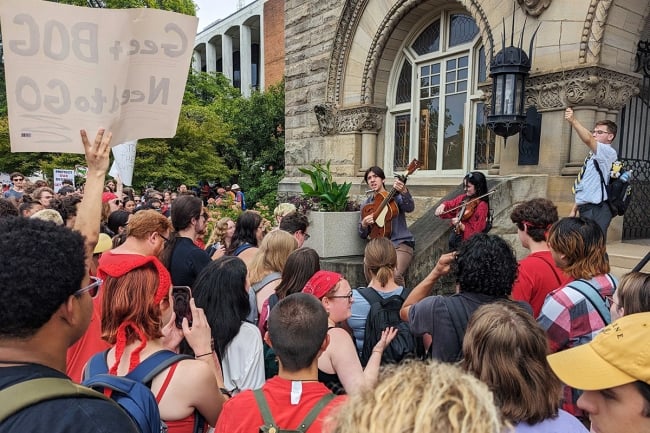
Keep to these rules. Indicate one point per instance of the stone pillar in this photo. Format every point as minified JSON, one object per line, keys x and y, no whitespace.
{"x":226,"y":56}
{"x":261,"y":56}
{"x":368,"y":148}
{"x":210,"y":57}
{"x":245,"y":59}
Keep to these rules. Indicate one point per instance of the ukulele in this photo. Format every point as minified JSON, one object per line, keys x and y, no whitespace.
{"x":385,"y":210}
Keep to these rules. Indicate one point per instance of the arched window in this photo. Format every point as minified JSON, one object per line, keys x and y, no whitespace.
{"x":435,"y":110}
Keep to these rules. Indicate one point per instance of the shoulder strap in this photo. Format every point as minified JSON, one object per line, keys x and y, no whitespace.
{"x":243,"y":247}
{"x":96,"y":365}
{"x":153,"y":365}
{"x":314,"y":412}
{"x":266,"y":280}
{"x":602,"y":180}
{"x":593,"y":295}
{"x":263,"y":406}
{"x":25,"y":394}
{"x":557,"y":277}
{"x":369,"y":294}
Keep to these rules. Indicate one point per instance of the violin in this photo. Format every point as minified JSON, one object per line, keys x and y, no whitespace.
{"x":384,"y":208}
{"x":466,"y":211}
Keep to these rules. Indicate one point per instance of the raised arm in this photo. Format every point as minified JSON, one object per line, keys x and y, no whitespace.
{"x":90,"y":208}
{"x":423,"y":289}
{"x":585,"y":135}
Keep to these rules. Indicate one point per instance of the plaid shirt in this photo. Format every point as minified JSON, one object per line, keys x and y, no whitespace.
{"x":570,"y":320}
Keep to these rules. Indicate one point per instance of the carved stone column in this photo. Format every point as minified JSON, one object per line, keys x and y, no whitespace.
{"x":366,"y":120}
{"x":594,"y":92}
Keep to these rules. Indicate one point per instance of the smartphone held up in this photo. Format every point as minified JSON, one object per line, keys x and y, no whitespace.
{"x":181,"y":296}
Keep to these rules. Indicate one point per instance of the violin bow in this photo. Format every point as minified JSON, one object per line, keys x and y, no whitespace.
{"x":470,"y":201}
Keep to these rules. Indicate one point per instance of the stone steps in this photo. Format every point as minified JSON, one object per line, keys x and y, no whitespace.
{"x":623,"y":256}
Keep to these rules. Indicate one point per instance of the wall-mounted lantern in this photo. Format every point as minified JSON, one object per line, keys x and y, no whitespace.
{"x":509,"y":69}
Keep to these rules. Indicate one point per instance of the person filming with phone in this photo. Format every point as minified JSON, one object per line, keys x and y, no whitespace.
{"x":140,"y":319}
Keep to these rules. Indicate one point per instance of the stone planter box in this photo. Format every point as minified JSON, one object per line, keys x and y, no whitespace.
{"x":334,"y":234}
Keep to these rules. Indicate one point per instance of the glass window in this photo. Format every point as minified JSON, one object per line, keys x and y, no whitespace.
{"x":404,"y":84}
{"x":442,"y":100}
{"x":402,"y":141}
{"x":429,"y":40}
{"x":462,"y":29}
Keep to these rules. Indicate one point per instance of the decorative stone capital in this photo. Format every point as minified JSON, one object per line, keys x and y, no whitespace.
{"x":356,"y":119}
{"x":534,"y":7}
{"x":589,"y":86}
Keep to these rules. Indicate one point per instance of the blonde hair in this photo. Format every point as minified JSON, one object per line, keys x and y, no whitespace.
{"x":283,"y":209}
{"x":219,"y":232}
{"x":272,"y":254}
{"x":421,"y":397}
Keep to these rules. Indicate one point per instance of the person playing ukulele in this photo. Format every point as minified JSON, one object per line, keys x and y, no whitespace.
{"x":468,"y":212}
{"x":394,"y":216}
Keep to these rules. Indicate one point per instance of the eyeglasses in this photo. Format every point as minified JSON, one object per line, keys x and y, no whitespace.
{"x":92,"y":288}
{"x":166,"y":239}
{"x":18,"y":179}
{"x":609,"y":301}
{"x":348,"y":296}
{"x":306,"y":235}
{"x":205,"y":215}
{"x":117,"y":202}
{"x":598,"y":132}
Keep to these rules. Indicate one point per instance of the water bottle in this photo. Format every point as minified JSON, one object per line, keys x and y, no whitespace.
{"x":625,"y":176}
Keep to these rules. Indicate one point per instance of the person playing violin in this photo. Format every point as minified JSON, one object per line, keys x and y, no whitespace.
{"x":400,"y":235}
{"x":474,"y":214}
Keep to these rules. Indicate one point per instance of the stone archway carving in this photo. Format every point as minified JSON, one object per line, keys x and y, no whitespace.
{"x":350,"y":18}
{"x":593,"y":30}
{"x":534,"y":7}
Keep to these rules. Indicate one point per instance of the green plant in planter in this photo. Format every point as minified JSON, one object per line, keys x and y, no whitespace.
{"x":331,"y":196}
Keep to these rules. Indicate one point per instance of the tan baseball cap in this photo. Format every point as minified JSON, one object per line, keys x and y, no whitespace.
{"x":618,"y":355}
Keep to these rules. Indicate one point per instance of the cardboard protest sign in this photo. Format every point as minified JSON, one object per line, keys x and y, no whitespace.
{"x":60,"y":175}
{"x":70,"y":68}
{"x":124,"y":161}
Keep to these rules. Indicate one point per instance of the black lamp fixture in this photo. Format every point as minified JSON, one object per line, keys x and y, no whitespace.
{"x":509,"y":69}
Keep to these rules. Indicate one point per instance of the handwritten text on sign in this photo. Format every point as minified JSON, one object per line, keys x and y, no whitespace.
{"x":71,"y":67}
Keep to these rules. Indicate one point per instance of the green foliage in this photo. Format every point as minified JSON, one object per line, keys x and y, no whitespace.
{"x":331,"y":196}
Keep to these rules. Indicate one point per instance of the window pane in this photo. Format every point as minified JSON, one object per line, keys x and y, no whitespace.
{"x":454,"y":139}
{"x":429,"y":40}
{"x":485,"y":141}
{"x":462,"y":74}
{"x":462,"y":86}
{"x":404,"y":84}
{"x":428,"y":139}
{"x":450,"y":88}
{"x":402,"y":140}
{"x":462,"y":29}
{"x":482,"y":65}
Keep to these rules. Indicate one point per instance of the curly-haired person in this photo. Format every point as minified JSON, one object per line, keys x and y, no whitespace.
{"x":46,"y":305}
{"x":433,"y":398}
{"x":485,"y":268}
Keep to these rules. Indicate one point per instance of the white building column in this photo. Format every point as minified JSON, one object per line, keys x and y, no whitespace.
{"x":196,"y":61}
{"x":210,"y":57}
{"x":245,"y":59}
{"x":226,"y":56}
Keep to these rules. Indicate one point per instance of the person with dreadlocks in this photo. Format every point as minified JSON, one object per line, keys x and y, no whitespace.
{"x":538,"y":274}
{"x":136,"y":303}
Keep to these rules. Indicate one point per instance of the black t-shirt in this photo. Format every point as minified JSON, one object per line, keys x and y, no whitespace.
{"x":62,"y":414}
{"x":187,"y":262}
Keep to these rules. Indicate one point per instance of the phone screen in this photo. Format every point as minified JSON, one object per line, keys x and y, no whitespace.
{"x":181,"y":296}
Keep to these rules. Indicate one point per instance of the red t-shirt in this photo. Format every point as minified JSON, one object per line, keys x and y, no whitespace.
{"x":240,"y":413}
{"x":538,"y":276}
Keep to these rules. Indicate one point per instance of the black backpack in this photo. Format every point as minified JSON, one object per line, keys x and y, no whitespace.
{"x":384,"y":313}
{"x":619,"y":189}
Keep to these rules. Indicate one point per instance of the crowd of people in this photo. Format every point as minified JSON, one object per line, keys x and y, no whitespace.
{"x":552,"y":342}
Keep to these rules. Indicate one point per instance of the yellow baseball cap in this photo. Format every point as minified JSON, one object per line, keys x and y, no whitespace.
{"x":104,"y":243}
{"x":618,"y":355}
